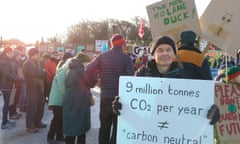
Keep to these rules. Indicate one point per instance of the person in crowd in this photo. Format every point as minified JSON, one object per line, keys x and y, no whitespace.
{"x":65,"y":57}
{"x":233,"y":75}
{"x":108,"y":67}
{"x":76,"y":101}
{"x":83,"y":51}
{"x":142,"y":60}
{"x":13,"y":114}
{"x":8,"y":77}
{"x":43,"y":58}
{"x":229,"y":75}
{"x":225,"y":65}
{"x":55,"y":100}
{"x":50,"y":66}
{"x":145,"y":57}
{"x":192,"y":58}
{"x":34,"y":76}
{"x":22,"y":104}
{"x":133,"y":57}
{"x":238,"y":57}
{"x":164,"y":65}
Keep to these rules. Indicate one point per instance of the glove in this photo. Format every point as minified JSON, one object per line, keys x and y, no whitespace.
{"x":213,"y":114}
{"x":116,"y":105}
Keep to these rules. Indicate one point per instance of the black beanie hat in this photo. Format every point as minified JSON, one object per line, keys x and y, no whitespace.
{"x":188,"y":37}
{"x":163,"y":40}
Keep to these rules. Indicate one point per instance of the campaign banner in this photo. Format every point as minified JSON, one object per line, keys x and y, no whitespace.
{"x":171,"y":17}
{"x":80,"y":47}
{"x":138,"y":50}
{"x":164,"y":111}
{"x":219,"y":24}
{"x":227,"y":97}
{"x":60,"y":49}
{"x":102,"y":45}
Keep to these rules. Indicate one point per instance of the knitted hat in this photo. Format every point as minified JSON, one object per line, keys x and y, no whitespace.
{"x":117,"y":40}
{"x":188,"y":37}
{"x":163,"y":40}
{"x":7,"y":49}
{"x":32,"y":52}
{"x":66,"y":55}
{"x":83,"y":58}
{"x":233,"y":72}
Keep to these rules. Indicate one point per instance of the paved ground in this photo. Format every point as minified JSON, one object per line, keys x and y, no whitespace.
{"x":18,"y":135}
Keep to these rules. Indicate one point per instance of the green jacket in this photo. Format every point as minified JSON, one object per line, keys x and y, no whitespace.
{"x":58,"y":89}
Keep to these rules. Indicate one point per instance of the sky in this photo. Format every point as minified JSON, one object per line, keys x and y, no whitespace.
{"x":30,"y":20}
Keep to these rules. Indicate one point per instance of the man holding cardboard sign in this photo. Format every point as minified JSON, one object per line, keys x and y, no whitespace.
{"x":140,"y":108}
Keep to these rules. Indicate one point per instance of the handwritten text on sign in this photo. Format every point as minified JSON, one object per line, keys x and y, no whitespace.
{"x":227,"y":97}
{"x":171,"y":17}
{"x":166,"y":111}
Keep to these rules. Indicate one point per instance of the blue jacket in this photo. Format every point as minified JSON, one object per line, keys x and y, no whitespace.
{"x":109,"y":66}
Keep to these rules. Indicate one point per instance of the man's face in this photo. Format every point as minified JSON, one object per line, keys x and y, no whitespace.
{"x":18,"y":57}
{"x":164,"y":55}
{"x":36,"y":56}
{"x":55,"y":56}
{"x":10,"y":54}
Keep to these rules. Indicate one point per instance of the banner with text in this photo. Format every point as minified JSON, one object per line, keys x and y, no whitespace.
{"x":171,"y":17}
{"x":164,"y":111}
{"x":220,"y":24}
{"x":101,"y":45}
{"x":227,"y":97}
{"x":80,"y":47}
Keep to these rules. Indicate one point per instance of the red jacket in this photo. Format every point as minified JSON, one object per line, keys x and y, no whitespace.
{"x":50,"y":67}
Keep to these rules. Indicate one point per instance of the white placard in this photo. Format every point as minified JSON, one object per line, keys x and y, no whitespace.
{"x":100,"y":44}
{"x":164,"y":111}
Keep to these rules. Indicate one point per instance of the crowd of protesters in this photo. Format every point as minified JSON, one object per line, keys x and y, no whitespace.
{"x":30,"y":79}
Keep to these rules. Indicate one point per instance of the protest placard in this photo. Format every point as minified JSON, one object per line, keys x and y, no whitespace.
{"x":101,"y":45}
{"x":164,"y":111}
{"x":219,"y":24}
{"x":227,"y":97}
{"x":171,"y":17}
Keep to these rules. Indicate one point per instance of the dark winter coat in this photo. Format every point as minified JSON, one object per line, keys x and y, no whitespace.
{"x":8,"y":73}
{"x":194,"y":62}
{"x":76,"y":101}
{"x":111,"y":65}
{"x":151,"y":70}
{"x":34,"y":77}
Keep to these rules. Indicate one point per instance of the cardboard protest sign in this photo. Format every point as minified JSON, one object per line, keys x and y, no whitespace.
{"x":227,"y":97}
{"x":171,"y":17}
{"x":164,"y":111}
{"x":220,"y":24}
